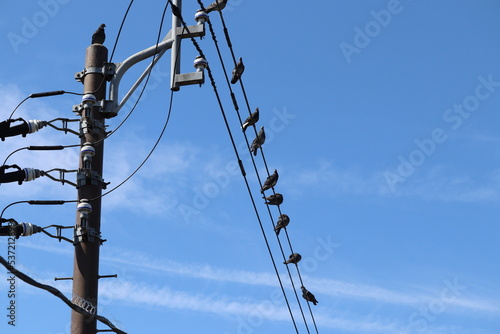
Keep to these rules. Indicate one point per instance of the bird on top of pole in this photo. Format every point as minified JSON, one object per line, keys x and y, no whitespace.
{"x":99,"y":36}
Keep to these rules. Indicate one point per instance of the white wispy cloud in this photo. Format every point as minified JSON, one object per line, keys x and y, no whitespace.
{"x":143,"y":262}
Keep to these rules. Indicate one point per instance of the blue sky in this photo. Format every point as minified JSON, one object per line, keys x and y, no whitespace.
{"x":381,"y":119}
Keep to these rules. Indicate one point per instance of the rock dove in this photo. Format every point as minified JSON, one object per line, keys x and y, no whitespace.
{"x":270,"y":181}
{"x":99,"y":36}
{"x":251,"y":120}
{"x":294,"y":258}
{"x":258,"y":141}
{"x":275,"y":199}
{"x":237,"y":71}
{"x":308,"y":296}
{"x":283,"y":221}
{"x":217,"y":5}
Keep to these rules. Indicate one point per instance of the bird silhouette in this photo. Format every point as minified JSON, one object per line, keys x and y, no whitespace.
{"x":307,"y":295}
{"x":217,"y":5}
{"x":293,"y":258}
{"x":283,"y":221}
{"x":258,"y":141}
{"x":251,"y":120}
{"x":270,"y":181}
{"x":99,"y":36}
{"x":237,"y":71}
{"x":275,"y":199}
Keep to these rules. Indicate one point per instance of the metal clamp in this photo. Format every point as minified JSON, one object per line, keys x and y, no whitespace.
{"x":85,"y":177}
{"x":108,"y":70}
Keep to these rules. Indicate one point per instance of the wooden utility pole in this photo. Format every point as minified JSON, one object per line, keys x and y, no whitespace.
{"x":90,"y":185}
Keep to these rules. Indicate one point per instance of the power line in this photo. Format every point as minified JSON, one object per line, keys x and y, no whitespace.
{"x":228,"y":40}
{"x":177,"y":13}
{"x":138,"y":99}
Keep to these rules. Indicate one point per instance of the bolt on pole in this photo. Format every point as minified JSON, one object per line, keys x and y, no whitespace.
{"x":90,"y":185}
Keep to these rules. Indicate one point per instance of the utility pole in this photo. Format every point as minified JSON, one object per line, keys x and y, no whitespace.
{"x":93,"y":110}
{"x":90,"y":184}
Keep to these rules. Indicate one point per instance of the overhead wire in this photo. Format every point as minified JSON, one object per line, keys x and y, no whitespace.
{"x":160,"y":136}
{"x":228,"y":40}
{"x":212,"y":80}
{"x":256,"y":171}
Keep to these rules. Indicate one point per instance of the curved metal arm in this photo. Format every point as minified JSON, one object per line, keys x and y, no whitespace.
{"x":158,"y":50}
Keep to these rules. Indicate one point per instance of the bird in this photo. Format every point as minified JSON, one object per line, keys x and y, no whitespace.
{"x":307,"y":295}
{"x":283,"y":221}
{"x":270,"y":181}
{"x":275,"y":199}
{"x":237,"y":71}
{"x":293,"y":258}
{"x":99,"y":36}
{"x":258,"y":141}
{"x":251,"y":120}
{"x":217,"y":5}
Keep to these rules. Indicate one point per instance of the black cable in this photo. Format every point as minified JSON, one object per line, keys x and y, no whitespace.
{"x":228,"y":40}
{"x":39,"y":148}
{"x":25,"y":278}
{"x":44,"y":94}
{"x":177,"y":13}
{"x":166,"y":121}
{"x":115,"y":44}
{"x":38,"y":202}
{"x":120,"y":30}
{"x":255,"y":168}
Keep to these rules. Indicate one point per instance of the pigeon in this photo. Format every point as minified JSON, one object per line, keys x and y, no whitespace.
{"x":275,"y":199}
{"x":283,"y":221}
{"x":99,"y":36}
{"x":251,"y":120}
{"x":237,"y":71}
{"x":294,"y":258}
{"x":270,"y":181}
{"x":308,"y":296}
{"x":217,"y":5}
{"x":258,"y":141}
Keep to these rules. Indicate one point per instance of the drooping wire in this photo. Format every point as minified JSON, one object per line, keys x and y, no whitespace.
{"x":164,"y":125}
{"x":115,"y":44}
{"x":37,"y":148}
{"x":44,"y":94}
{"x":37,"y":202}
{"x":120,"y":30}
{"x":177,"y":13}
{"x":142,"y":90}
{"x":25,"y":278}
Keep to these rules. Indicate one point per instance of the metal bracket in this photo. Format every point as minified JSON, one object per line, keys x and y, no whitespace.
{"x":104,"y":108}
{"x":189,"y":79}
{"x":89,"y":234}
{"x":85,"y":176}
{"x":195,"y":31}
{"x":108,"y":70}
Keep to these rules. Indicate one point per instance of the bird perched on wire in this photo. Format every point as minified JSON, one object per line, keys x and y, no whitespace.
{"x":307,"y":295}
{"x":270,"y":181}
{"x":258,"y":141}
{"x":275,"y":199}
{"x":293,"y":258}
{"x":217,"y":5}
{"x":99,"y":36}
{"x":237,"y":71}
{"x":251,"y":120}
{"x":283,"y":221}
